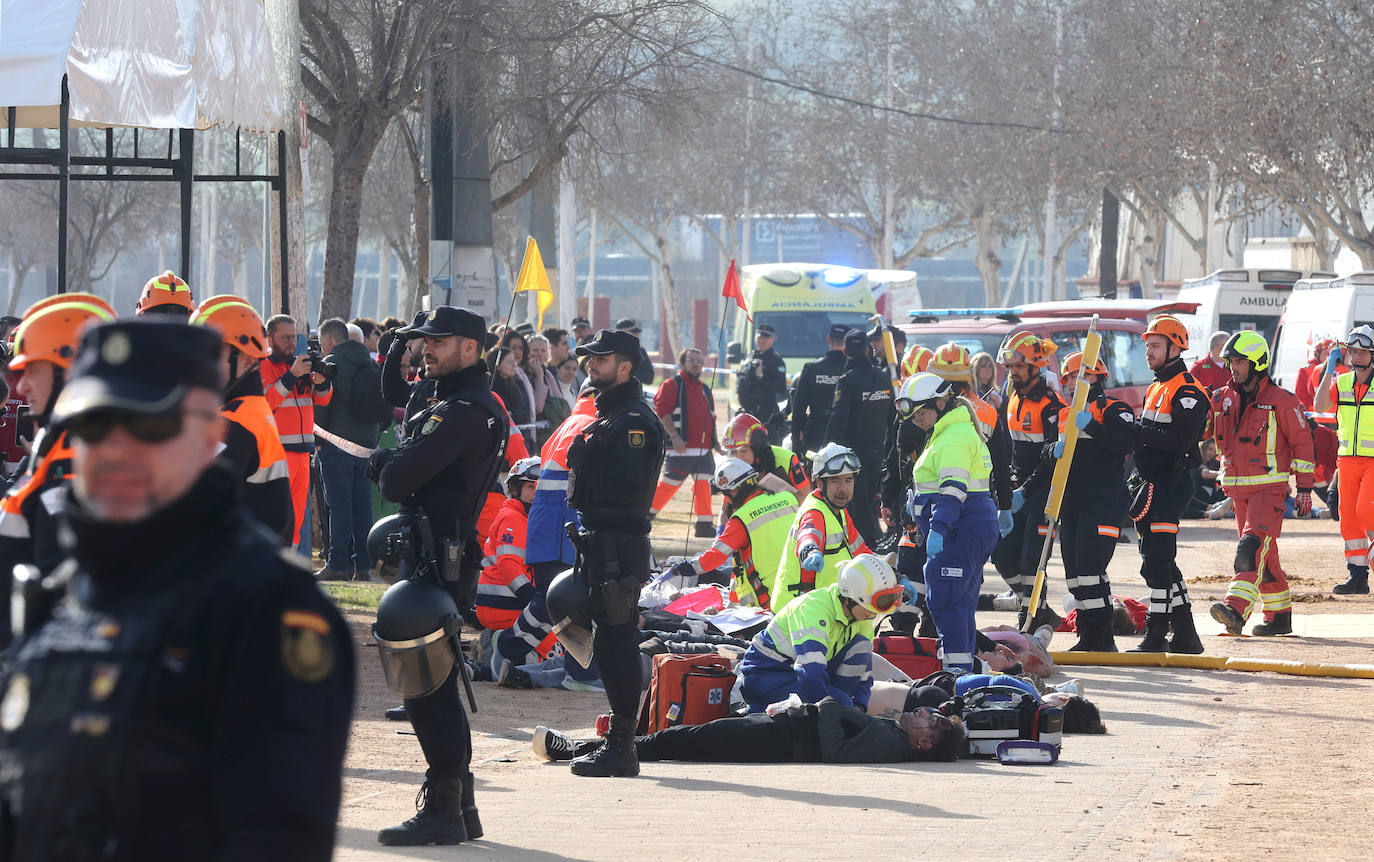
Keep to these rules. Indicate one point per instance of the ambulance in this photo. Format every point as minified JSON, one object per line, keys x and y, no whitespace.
{"x":1320,"y":308}
{"x":1233,"y":299}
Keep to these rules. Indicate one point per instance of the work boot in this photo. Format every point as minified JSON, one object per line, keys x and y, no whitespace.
{"x":328,"y":574}
{"x":1185,"y":639}
{"x":397,"y":713}
{"x":927,"y":627}
{"x":1094,"y":635}
{"x":438,"y":817}
{"x":511,"y":676}
{"x":1229,"y":617}
{"x":615,"y":757}
{"x":1156,"y":632}
{"x":471,"y":822}
{"x":1355,"y":585}
{"x":1045,"y":616}
{"x":1281,"y":624}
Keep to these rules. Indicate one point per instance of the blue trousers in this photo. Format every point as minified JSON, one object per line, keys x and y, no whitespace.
{"x":952,"y":580}
{"x":348,"y":494}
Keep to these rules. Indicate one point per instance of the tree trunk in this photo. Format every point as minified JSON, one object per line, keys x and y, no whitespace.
{"x":17,"y":276}
{"x":420,"y":287}
{"x":591,"y":263}
{"x":341,"y":245}
{"x":1106,"y":256}
{"x":383,"y":280}
{"x":671,"y":326}
{"x":987,"y":261}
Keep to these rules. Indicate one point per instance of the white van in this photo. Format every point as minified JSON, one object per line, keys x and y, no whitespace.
{"x":1233,"y":299}
{"x":1320,"y":308}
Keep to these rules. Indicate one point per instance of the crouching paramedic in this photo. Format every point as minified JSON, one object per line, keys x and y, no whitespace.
{"x":505,"y":586}
{"x":822,"y":644}
{"x":754,"y":536}
{"x":1349,"y":391}
{"x":1262,"y":436}
{"x":824,"y":535}
{"x":954,"y":510}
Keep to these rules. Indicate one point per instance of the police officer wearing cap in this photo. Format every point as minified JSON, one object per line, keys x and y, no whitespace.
{"x":180,"y":688}
{"x":761,"y":384}
{"x":644,"y":372}
{"x":440,"y":473}
{"x":814,"y":393}
{"x":862,"y":414}
{"x":614,"y":465}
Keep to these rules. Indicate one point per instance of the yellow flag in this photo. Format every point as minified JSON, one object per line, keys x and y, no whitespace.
{"x":534,"y":277}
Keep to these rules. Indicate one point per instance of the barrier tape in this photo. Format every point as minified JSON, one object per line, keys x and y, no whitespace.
{"x":346,"y":445}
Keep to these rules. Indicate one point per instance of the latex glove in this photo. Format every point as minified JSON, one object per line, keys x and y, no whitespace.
{"x":1004,"y":523}
{"x":1058,"y":450}
{"x":908,"y":591}
{"x":935,"y":543}
{"x":1083,"y":419}
{"x":813,"y":560}
{"x":1333,"y":359}
{"x":1018,"y":499}
{"x":1304,"y":503}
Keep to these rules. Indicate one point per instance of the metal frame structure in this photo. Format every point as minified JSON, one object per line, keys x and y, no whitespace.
{"x":178,"y":169}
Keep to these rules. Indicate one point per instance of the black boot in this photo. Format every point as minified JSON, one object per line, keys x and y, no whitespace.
{"x":1355,"y":585}
{"x":1094,"y":635}
{"x":1281,"y":624}
{"x":616,"y":758}
{"x":927,"y":628}
{"x":438,"y":817}
{"x":1156,"y":632}
{"x":1229,"y":617}
{"x":1185,"y":639}
{"x":471,"y":822}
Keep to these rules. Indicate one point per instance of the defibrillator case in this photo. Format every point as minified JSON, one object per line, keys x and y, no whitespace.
{"x":996,"y":713}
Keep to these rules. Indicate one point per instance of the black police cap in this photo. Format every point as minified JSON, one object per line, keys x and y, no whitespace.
{"x":628,"y":324}
{"x":610,"y":341}
{"x":838,"y":331}
{"x":449,"y":320}
{"x":142,"y":366}
{"x":581,"y":321}
{"x":764,"y":329}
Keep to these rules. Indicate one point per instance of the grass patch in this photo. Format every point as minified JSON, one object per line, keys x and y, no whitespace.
{"x":354,"y":597}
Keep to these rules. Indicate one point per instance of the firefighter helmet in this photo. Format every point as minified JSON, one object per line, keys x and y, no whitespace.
{"x":237,"y":323}
{"x":165,"y":294}
{"x":1074,"y":362}
{"x":1248,"y":344}
{"x":1171,"y":328}
{"x":732,"y":473}
{"x":916,"y":360}
{"x":1025,"y":346}
{"x":919,"y":390}
{"x":833,"y":460}
{"x":869,"y":582}
{"x":745,"y":430}
{"x":52,"y":333}
{"x":952,"y":362}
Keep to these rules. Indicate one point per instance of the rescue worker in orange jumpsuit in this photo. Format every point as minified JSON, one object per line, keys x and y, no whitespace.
{"x":686,"y":407}
{"x":1031,"y":414}
{"x":505,"y":586}
{"x":166,"y":296}
{"x":1262,"y":436}
{"x":1348,"y":392}
{"x":1167,"y":431}
{"x":293,"y":392}
{"x":44,"y":345}
{"x":251,"y":442}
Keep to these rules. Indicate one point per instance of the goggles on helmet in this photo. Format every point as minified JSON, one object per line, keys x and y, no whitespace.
{"x":845,"y":462}
{"x":886,"y":600}
{"x":1359,"y":339}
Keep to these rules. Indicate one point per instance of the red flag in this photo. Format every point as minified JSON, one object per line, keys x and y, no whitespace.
{"x":731,"y":290}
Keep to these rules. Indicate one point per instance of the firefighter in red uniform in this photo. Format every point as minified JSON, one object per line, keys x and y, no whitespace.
{"x":686,"y":407}
{"x":251,"y":443}
{"x":293,"y":391}
{"x":779,"y":468}
{"x":505,"y":586}
{"x":1171,"y":421}
{"x":1031,"y":413}
{"x":1262,"y":436}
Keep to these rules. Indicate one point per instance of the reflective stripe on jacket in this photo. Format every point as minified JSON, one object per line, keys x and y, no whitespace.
{"x":831,"y":655}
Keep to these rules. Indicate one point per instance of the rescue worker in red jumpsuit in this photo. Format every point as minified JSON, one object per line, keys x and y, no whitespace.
{"x":686,"y":408}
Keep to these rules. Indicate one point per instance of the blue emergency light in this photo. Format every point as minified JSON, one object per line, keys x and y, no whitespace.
{"x":841,"y":276}
{"x":964,"y":312}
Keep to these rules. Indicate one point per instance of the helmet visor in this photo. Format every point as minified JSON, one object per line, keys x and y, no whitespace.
{"x":416,"y":668}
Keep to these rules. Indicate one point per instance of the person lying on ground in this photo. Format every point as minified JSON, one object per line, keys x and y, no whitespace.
{"x":1080,"y":714}
{"x":827,"y":732}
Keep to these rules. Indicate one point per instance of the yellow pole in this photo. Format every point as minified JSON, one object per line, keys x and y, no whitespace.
{"x":1212,"y":662}
{"x":1092,"y":345}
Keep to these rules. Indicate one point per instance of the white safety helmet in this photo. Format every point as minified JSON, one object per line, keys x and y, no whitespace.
{"x":524,"y":470}
{"x":833,"y":460}
{"x":731,"y":473}
{"x":919,"y":390}
{"x":1361,"y":336}
{"x":868,"y":581}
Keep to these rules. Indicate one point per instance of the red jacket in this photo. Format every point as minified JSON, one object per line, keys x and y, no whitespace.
{"x":686,"y":406}
{"x":1210,"y":374}
{"x":1261,"y":439}
{"x":1305,"y":388}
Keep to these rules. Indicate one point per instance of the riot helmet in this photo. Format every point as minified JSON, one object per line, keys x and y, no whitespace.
{"x":416,"y":633}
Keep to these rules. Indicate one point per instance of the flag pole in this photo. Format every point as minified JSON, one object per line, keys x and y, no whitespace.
{"x":720,"y":347}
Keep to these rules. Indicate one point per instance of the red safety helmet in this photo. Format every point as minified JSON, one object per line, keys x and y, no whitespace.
{"x":745,"y":430}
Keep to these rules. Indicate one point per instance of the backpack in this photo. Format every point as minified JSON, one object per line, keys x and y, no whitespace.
{"x":365,"y":399}
{"x":686,"y":689}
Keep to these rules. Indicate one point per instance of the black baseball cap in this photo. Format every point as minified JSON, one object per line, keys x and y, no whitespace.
{"x":525,"y":328}
{"x":628,"y":324}
{"x":449,"y":320}
{"x":764,"y":329}
{"x":581,"y":321}
{"x":607,"y":341}
{"x":838,"y":330}
{"x":139,"y":366}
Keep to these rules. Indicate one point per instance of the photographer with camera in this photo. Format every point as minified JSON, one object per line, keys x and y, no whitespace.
{"x":294,"y":385}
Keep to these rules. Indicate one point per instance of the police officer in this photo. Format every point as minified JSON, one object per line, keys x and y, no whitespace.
{"x":614,"y":465}
{"x":814,"y":393}
{"x":860,"y":419}
{"x":761,"y":383}
{"x":440,"y":472}
{"x":190,"y":695}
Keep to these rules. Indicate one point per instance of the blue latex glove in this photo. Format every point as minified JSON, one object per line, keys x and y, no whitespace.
{"x":1004,"y":523}
{"x":935,"y":543}
{"x":1018,"y":499}
{"x":908,"y":591}
{"x":1083,"y":419}
{"x":1058,"y":450}
{"x":1333,"y":359}
{"x":813,"y":560}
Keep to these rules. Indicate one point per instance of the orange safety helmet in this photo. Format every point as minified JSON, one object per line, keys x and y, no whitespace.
{"x":52,"y":333}
{"x":952,"y":362}
{"x":745,"y":430}
{"x":237,"y":322}
{"x":1025,"y":346}
{"x":917,"y":358}
{"x":1171,"y":328}
{"x":165,"y":290}
{"x":1074,"y":361}
{"x":64,"y":298}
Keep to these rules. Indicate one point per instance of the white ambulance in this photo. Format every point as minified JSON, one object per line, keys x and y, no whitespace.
{"x":1234,"y":299}
{"x":1320,"y":308}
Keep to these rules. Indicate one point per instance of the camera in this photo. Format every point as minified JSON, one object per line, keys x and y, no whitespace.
{"x":317,"y":363}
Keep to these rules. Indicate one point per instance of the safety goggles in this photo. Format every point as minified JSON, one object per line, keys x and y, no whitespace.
{"x":886,"y":600}
{"x":906,"y":407}
{"x":843,"y":463}
{"x":96,"y":425}
{"x":1360,"y":340}
{"x":1009,"y":356}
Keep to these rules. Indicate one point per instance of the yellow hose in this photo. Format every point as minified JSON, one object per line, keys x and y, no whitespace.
{"x":1213,"y":662}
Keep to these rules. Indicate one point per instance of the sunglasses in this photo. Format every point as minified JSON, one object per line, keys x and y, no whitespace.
{"x":886,"y":600}
{"x":148,"y":428}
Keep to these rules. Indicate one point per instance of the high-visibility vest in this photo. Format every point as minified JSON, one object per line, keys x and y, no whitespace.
{"x":789,"y":584}
{"x":955,"y":460}
{"x":1354,"y":427}
{"x":768,"y":518}
{"x":252,"y":412}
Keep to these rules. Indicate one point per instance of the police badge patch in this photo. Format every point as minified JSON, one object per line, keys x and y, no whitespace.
{"x":307,"y":650}
{"x":430,"y":424}
{"x":636,"y":439}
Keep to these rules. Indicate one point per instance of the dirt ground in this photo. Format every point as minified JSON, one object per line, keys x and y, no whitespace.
{"x":1196,"y":764}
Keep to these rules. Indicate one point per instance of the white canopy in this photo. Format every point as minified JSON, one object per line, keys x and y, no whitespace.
{"x":158,"y":64}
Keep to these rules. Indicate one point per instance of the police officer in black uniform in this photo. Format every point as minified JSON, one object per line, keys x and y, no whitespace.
{"x":614,"y":466}
{"x":761,"y":384}
{"x":440,"y":472}
{"x":814,"y":394}
{"x":860,"y":419}
{"x":180,"y":688}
